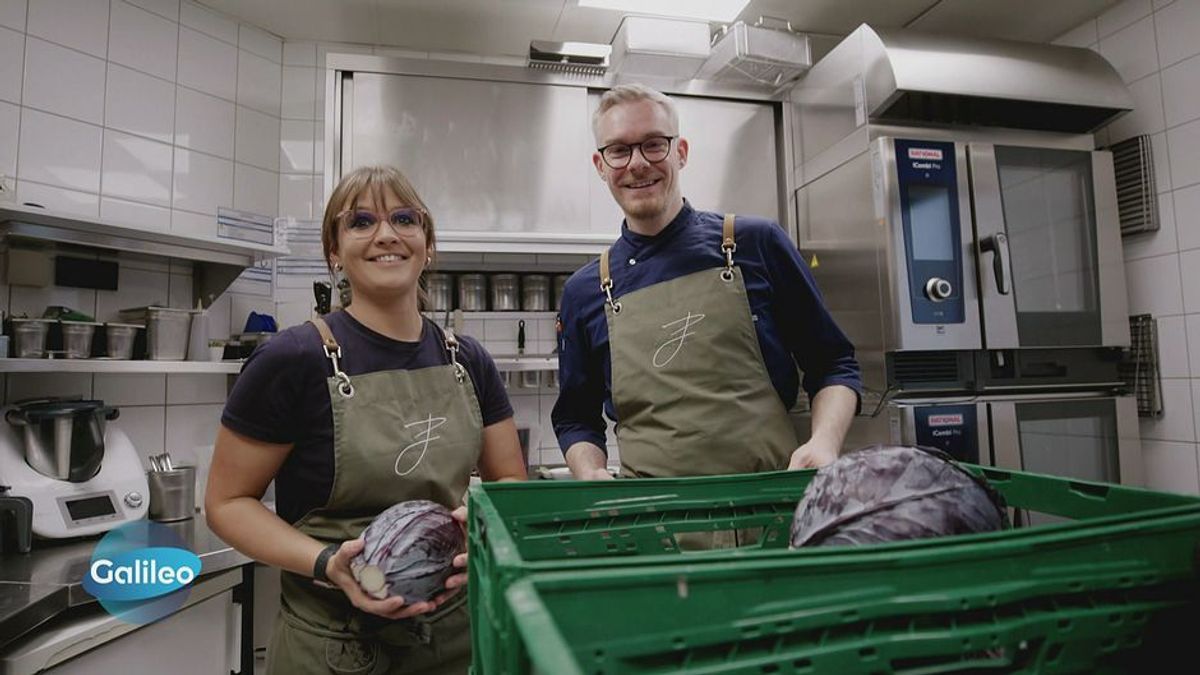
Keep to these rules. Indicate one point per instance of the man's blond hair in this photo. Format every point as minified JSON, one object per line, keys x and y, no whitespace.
{"x":631,"y":93}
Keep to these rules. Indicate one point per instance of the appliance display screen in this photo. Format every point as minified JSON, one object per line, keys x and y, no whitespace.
{"x":91,"y":507}
{"x":931,"y":221}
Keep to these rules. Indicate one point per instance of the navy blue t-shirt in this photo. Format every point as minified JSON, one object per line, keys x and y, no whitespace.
{"x":282,"y":396}
{"x":794,"y":327}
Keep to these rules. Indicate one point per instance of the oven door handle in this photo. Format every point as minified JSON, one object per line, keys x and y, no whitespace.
{"x":997,"y":245}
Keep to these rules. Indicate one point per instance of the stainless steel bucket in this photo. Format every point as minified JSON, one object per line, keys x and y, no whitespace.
{"x":472,"y":292}
{"x":439,"y":287}
{"x":505,"y":293}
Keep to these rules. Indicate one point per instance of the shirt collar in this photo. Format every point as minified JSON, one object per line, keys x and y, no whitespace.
{"x":677,"y":225}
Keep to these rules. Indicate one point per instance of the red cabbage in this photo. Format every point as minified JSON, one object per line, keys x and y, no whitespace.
{"x":409,"y":551}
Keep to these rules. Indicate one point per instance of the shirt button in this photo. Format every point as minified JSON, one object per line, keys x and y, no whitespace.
{"x":633,"y":261}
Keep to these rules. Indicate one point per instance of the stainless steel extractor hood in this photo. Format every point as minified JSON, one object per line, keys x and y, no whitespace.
{"x":906,"y":77}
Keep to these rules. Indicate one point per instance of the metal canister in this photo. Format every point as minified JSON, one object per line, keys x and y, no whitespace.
{"x":472,"y":292}
{"x":535,"y":293}
{"x":504,"y":292}
{"x":560,"y":282}
{"x":439,"y":288}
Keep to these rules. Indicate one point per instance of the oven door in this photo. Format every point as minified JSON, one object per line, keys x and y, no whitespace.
{"x":1087,"y":438}
{"x":1049,"y":247}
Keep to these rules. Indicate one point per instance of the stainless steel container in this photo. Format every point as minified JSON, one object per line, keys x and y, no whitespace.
{"x":505,"y":288}
{"x":560,"y":282}
{"x":439,"y":287}
{"x":172,"y":494}
{"x":535,"y":293}
{"x":472,"y":292}
{"x":29,"y":337}
{"x":77,"y":338}
{"x":531,"y":379}
{"x":64,"y":439}
{"x":120,"y":338}
{"x":166,"y":331}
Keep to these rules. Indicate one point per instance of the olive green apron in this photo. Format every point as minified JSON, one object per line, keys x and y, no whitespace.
{"x":689,"y":385}
{"x":397,"y":435}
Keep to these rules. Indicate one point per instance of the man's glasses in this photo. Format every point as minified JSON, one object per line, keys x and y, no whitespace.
{"x":362,"y":224}
{"x":654,"y":149}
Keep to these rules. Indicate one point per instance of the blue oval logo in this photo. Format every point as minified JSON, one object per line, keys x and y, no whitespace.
{"x":141,"y":572}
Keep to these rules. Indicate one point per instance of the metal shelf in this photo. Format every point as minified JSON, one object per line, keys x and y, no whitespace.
{"x":118,"y":367}
{"x":526,"y":362}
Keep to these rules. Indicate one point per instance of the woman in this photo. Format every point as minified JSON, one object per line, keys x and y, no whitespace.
{"x":350,"y":414}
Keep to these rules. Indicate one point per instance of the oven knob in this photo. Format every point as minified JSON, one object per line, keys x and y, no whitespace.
{"x":133,"y":499}
{"x":938,"y":289}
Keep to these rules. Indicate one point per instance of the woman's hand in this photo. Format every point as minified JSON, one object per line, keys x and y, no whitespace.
{"x":459,"y":579}
{"x":338,"y":571}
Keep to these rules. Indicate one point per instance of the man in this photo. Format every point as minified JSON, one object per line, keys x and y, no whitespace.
{"x":689,"y":329}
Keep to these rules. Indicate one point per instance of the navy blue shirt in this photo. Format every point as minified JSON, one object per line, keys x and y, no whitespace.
{"x":794,"y":328}
{"x":281,"y":396}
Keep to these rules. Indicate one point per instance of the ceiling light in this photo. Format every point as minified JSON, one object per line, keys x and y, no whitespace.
{"x":708,"y":10}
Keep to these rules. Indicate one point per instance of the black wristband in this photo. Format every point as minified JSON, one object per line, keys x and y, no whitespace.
{"x":323,"y":562}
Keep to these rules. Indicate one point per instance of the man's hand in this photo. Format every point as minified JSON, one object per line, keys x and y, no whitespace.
{"x":812,"y":455}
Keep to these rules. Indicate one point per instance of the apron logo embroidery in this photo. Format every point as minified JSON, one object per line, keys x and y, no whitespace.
{"x":678,"y":336}
{"x":424,"y":438}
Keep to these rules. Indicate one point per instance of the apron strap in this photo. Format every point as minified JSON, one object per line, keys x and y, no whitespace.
{"x":451,"y":340}
{"x":728,"y":246}
{"x":333,"y":352}
{"x":606,"y":282}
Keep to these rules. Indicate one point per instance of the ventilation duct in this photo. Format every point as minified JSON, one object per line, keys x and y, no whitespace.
{"x":575,"y":58}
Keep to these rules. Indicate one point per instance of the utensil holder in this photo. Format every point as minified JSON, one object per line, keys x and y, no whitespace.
{"x":172,"y":494}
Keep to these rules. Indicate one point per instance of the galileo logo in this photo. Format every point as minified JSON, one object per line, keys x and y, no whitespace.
{"x":140,"y":572}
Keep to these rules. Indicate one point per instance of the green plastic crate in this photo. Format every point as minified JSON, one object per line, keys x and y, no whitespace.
{"x":628,"y":528}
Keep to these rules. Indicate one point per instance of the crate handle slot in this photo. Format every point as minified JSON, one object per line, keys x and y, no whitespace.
{"x":1091,"y":490}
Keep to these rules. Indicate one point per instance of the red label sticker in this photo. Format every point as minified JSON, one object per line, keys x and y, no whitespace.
{"x":924,"y":153}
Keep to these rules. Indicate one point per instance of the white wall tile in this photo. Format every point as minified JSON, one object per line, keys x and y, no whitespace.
{"x":195,"y":224}
{"x":296,"y":146}
{"x":1196,"y":410}
{"x":1176,"y":27}
{"x":208,"y":22}
{"x":179,"y":291}
{"x":298,"y":97}
{"x":12,"y":14}
{"x":322,"y":83}
{"x":1159,"y":4}
{"x":135,"y":214}
{"x":1177,"y":422}
{"x":63,"y":81}
{"x":318,"y":197}
{"x":241,"y":305}
{"x":260,"y":42}
{"x":58,"y":199}
{"x":1184,"y":146}
{"x":139,"y":104}
{"x":10,"y":126}
{"x":319,"y":149}
{"x":58,"y":151}
{"x":12,"y":64}
{"x":38,"y":385}
{"x":255,"y":190}
{"x":136,"y":169}
{"x":135,"y":288}
{"x":143,"y":40}
{"x":1159,"y":242}
{"x":183,"y":388}
{"x":1187,"y":216}
{"x":207,"y":64}
{"x":218,"y":318}
{"x":1131,"y":50}
{"x":1172,"y":348}
{"x":291,"y":313}
{"x":168,"y":9}
{"x":202,"y":182}
{"x":1162,"y":162}
{"x":204,"y":123}
{"x":257,"y":140}
{"x":1192,"y":327}
{"x":1147,"y":114}
{"x":1171,"y":466}
{"x":1181,"y":91}
{"x":1153,"y":285}
{"x":259,"y":83}
{"x":79,"y":24}
{"x":295,"y":196}
{"x":145,"y":426}
{"x":1189,"y":265}
{"x":1121,"y":15}
{"x":299,"y":53}
{"x":130,"y":389}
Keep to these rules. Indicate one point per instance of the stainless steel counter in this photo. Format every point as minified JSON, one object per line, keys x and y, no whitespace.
{"x":36,"y":586}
